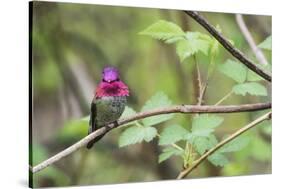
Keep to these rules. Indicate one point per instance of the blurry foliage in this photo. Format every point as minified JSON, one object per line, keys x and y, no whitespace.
{"x":53,"y":174}
{"x":266,"y":44}
{"x":66,"y":37}
{"x":73,"y":130}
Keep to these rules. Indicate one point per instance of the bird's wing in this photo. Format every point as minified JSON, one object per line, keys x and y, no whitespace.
{"x":93,"y":114}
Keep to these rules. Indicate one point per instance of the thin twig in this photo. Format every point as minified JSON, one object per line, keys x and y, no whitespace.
{"x":202,"y":94}
{"x":224,"y":98}
{"x":228,"y":46}
{"x":198,"y":77}
{"x":185,"y":172}
{"x":246,"y":33}
{"x":173,"y":109}
{"x":201,"y":88}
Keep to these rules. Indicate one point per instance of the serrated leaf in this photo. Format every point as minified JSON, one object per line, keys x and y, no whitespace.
{"x":198,"y":41}
{"x":251,"y":88}
{"x":167,"y":153}
{"x":218,"y":159}
{"x":174,"y":40}
{"x":252,"y":76}
{"x":183,"y":50}
{"x":136,"y":134}
{"x":202,"y":144}
{"x":234,"y":70}
{"x":128,"y":112}
{"x":149,"y":133}
{"x":193,"y":43}
{"x":163,"y":30}
{"x":235,"y":145}
{"x":204,"y":124}
{"x":159,"y":100}
{"x":266,"y":44}
{"x":172,"y":134}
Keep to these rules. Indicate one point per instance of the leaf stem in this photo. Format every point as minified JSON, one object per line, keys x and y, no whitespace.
{"x":198,"y":75}
{"x":173,"y":144}
{"x":224,"y":98}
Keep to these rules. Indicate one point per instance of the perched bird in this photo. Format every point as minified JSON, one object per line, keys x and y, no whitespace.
{"x":109,"y":101}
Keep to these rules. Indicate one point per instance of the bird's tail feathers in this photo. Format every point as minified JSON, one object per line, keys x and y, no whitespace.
{"x":92,"y":142}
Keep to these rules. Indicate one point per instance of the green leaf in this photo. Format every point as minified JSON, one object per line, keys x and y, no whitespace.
{"x":164,"y":30}
{"x":266,"y":44}
{"x":193,"y":43}
{"x":167,"y":153}
{"x":159,"y":100}
{"x":252,"y":88}
{"x":174,"y":39}
{"x":235,"y":145}
{"x":218,"y":159}
{"x":234,"y":70}
{"x":198,"y":41}
{"x":202,"y":144}
{"x":127,"y":113}
{"x":204,"y":124}
{"x":149,"y":133}
{"x":183,"y":50}
{"x":136,"y":134}
{"x":252,"y":76}
{"x":172,"y":134}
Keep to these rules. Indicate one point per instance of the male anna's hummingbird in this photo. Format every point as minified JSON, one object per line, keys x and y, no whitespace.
{"x":109,"y":101}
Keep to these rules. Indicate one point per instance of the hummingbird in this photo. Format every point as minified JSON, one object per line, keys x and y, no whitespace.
{"x":108,"y":103}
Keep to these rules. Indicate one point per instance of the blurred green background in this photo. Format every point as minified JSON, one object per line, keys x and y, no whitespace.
{"x":71,"y":43}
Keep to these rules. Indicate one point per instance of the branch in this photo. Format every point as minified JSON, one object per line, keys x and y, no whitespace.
{"x":173,"y":109}
{"x":228,"y":46}
{"x":185,"y":172}
{"x":258,"y":53}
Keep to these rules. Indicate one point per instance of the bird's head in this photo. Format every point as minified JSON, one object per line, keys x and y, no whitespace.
{"x":110,"y":74}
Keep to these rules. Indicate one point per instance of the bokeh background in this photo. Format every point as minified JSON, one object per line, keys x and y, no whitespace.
{"x":71,"y":43}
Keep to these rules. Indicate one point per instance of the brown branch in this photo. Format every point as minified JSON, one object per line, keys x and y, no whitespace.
{"x":173,"y":109}
{"x":246,"y":33}
{"x":228,"y":46}
{"x":185,"y":172}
